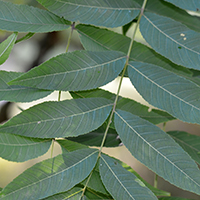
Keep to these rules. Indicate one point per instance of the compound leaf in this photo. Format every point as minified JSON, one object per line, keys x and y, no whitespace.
{"x":79,"y":70}
{"x":60,"y":119}
{"x":23,"y":18}
{"x":125,"y":185}
{"x":97,"y":12}
{"x":158,"y":151}
{"x":6,"y":47}
{"x":167,"y":91}
{"x":172,"y":39}
{"x":51,"y":176}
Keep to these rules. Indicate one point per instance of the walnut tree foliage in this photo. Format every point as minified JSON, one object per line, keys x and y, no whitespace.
{"x":165,"y":73}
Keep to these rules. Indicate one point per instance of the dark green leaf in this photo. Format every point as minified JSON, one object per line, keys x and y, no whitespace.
{"x":173,"y":198}
{"x":6,"y":47}
{"x":93,"y":195}
{"x":167,"y":91}
{"x":94,"y":138}
{"x":68,"y":146}
{"x":126,"y":27}
{"x":100,"y":13}
{"x":158,"y":151}
{"x":23,"y":18}
{"x":172,"y":39}
{"x":19,"y":149}
{"x":79,"y":70}
{"x":193,"y":5}
{"x":120,"y":183}
{"x":18,"y":93}
{"x":51,"y":176}
{"x":73,"y":194}
{"x":60,"y":119}
{"x":95,"y":39}
{"x":190,"y":143}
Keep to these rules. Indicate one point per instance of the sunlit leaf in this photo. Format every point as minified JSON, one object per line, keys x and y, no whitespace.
{"x":51,"y":176}
{"x":23,"y":18}
{"x":190,"y":143}
{"x":172,"y":39}
{"x":18,"y":93}
{"x":79,"y":70}
{"x":97,"y":12}
{"x":167,"y":91}
{"x":158,"y":151}
{"x":60,"y":119}
{"x":95,"y":39}
{"x":120,"y":183}
{"x":19,"y":149}
{"x":6,"y":47}
{"x":193,"y":5}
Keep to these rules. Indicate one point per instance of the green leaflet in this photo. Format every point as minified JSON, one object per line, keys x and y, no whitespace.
{"x":6,"y":47}
{"x":95,"y":39}
{"x":167,"y":91}
{"x":18,"y":93}
{"x":173,"y":198}
{"x":73,"y":194}
{"x":158,"y":151}
{"x":79,"y":70}
{"x":51,"y":176}
{"x":193,"y":5}
{"x":172,"y":39}
{"x":97,"y":12}
{"x":23,"y":18}
{"x":60,"y":119}
{"x":190,"y":143}
{"x":166,"y":9}
{"x":19,"y":149}
{"x":120,"y":183}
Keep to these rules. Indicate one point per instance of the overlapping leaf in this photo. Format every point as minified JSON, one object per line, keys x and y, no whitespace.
{"x":79,"y":70}
{"x":97,"y":12}
{"x":166,"y":9}
{"x":172,"y":39}
{"x":60,"y":119}
{"x":51,"y":176}
{"x":18,"y":93}
{"x":6,"y":47}
{"x":120,"y":183}
{"x":190,"y":143}
{"x":166,"y":91}
{"x":19,"y":149}
{"x":158,"y":151}
{"x":193,"y":5}
{"x":95,"y":39}
{"x":73,"y":194}
{"x":23,"y":18}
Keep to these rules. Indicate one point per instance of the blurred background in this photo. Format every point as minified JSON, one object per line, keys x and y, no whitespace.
{"x":30,"y":53}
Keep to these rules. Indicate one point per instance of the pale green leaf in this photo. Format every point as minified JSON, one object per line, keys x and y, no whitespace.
{"x":167,"y":91}
{"x":95,"y":39}
{"x":190,"y":143}
{"x":166,"y":9}
{"x":158,"y":151}
{"x":51,"y":176}
{"x":193,"y":5}
{"x":79,"y":70}
{"x":6,"y":47}
{"x":18,"y":93}
{"x":19,"y":149}
{"x":120,"y":183}
{"x":60,"y":119}
{"x":172,"y":39}
{"x":73,"y":194}
{"x":97,"y":12}
{"x":23,"y":18}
